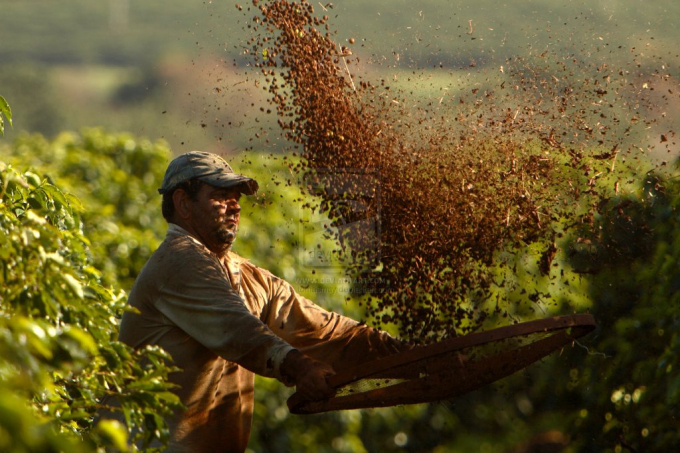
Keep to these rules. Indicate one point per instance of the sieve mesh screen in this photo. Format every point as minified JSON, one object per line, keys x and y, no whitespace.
{"x":367,"y":385}
{"x":449,"y":368}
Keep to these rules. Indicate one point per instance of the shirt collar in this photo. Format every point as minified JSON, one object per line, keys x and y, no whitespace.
{"x":175,"y":230}
{"x":231,"y":261}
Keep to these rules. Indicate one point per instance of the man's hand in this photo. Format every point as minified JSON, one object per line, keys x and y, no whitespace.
{"x":308,"y":375}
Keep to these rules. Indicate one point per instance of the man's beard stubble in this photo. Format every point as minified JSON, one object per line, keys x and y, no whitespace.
{"x":227,"y":236}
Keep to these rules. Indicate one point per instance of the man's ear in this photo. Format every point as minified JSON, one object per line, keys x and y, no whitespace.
{"x":181,"y":201}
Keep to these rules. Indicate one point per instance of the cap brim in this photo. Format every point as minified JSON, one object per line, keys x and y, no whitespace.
{"x":244,"y":184}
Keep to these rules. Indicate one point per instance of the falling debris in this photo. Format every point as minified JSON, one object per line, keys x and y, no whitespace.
{"x":455,"y":190}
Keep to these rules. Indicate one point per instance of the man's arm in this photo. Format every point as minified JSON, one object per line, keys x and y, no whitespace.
{"x":322,"y":335}
{"x":194,"y":294}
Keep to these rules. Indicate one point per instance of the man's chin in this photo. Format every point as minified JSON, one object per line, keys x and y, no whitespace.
{"x":227,"y":238}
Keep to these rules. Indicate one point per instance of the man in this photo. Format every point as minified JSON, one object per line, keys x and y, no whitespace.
{"x":223,"y":319}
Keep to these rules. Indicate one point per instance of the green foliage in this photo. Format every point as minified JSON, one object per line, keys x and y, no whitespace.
{"x":21,"y":430}
{"x":617,"y":388}
{"x":115,"y":177}
{"x":63,"y":277}
{"x":629,"y":390}
{"x":58,"y":325}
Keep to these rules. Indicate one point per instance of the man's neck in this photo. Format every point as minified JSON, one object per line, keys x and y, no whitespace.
{"x":221,"y":252}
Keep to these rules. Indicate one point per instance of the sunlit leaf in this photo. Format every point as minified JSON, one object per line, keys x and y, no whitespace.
{"x":113,"y":433}
{"x":7,"y":112}
{"x":83,"y":340}
{"x":74,"y":284}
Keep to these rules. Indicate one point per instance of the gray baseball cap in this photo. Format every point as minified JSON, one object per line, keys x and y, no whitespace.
{"x":207,"y":167}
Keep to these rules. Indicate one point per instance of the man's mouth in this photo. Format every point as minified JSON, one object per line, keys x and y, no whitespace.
{"x":230,"y":221}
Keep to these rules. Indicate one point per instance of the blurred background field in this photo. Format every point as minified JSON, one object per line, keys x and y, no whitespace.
{"x":178,"y":70}
{"x":98,"y":87}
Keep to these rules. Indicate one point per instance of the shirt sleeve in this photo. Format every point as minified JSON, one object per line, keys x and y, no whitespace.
{"x":196,"y":295}
{"x":330,"y":337}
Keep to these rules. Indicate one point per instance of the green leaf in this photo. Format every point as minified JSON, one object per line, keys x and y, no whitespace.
{"x":74,"y":284}
{"x":33,"y":179}
{"x":83,"y":340}
{"x":63,"y":264}
{"x":4,"y":110}
{"x":56,"y":195}
{"x":35,"y":336}
{"x":114,"y":433}
{"x":122,"y":350}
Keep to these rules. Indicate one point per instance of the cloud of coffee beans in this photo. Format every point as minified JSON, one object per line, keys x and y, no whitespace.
{"x":456,"y":191}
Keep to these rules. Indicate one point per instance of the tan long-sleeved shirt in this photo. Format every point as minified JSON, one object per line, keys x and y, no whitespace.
{"x":223,"y":320}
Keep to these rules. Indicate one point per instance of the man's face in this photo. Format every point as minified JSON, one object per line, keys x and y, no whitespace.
{"x":214,"y":217}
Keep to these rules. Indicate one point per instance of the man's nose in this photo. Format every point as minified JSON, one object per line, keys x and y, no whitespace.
{"x":233,"y":205}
